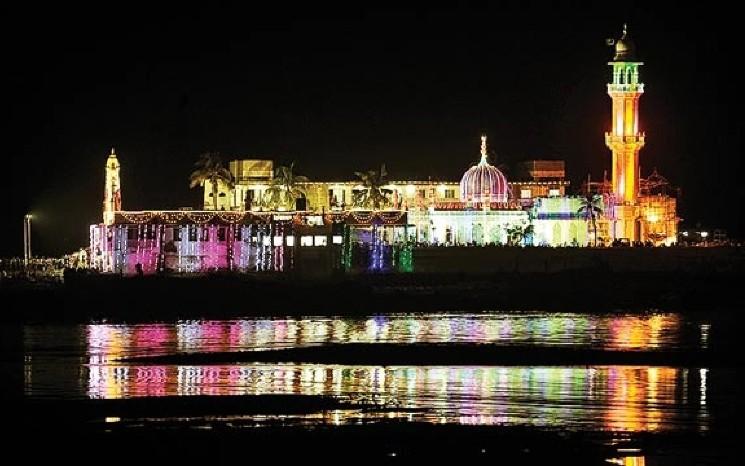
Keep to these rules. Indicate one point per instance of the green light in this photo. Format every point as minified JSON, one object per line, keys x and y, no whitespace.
{"x":346,"y":256}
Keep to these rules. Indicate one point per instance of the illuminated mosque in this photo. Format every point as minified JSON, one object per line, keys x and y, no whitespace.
{"x":328,"y":227}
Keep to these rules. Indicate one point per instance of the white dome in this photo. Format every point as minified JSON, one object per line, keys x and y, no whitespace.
{"x":484,"y":182}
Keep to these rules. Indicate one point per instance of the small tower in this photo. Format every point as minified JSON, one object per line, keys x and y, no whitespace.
{"x":625,"y":140}
{"x":112,"y":194}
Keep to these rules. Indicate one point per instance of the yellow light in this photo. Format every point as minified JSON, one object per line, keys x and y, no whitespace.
{"x":629,"y":119}
{"x":410,"y":190}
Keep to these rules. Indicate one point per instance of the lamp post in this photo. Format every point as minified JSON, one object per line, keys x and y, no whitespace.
{"x":26,"y":238}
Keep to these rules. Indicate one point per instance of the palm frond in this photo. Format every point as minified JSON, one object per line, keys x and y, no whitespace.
{"x":209,"y":167}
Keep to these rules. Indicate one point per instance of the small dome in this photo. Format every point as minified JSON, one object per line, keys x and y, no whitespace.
{"x":625,"y":49}
{"x":483,"y":182}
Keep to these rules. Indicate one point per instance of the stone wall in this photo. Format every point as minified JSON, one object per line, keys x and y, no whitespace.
{"x":497,"y":259}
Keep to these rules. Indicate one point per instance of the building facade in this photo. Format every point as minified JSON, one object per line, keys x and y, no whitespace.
{"x":328,"y":223}
{"x":479,"y":209}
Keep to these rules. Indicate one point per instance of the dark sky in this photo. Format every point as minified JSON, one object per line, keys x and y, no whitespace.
{"x":343,"y":90}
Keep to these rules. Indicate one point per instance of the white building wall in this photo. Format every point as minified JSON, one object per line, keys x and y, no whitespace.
{"x":225,"y":196}
{"x":560,"y":232}
{"x":466,"y":226}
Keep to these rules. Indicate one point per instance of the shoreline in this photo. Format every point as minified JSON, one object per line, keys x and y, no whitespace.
{"x":222,"y":295}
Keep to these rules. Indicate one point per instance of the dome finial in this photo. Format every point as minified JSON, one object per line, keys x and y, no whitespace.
{"x":483,"y":150}
{"x":625,"y":49}
{"x":113,"y":154}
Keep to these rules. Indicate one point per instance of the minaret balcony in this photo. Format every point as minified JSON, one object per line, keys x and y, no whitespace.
{"x":614,"y":88}
{"x":612,"y":139}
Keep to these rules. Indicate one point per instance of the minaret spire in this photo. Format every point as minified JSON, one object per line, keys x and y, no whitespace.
{"x":483,"y":151}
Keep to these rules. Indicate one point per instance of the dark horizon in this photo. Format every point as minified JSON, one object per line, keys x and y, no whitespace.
{"x":339,"y":91}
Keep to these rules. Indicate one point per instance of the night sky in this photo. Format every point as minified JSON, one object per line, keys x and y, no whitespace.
{"x":344,"y":90}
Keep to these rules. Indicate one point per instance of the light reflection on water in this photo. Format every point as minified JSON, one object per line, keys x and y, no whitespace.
{"x":577,"y":330}
{"x":628,"y":461}
{"x":84,"y":361}
{"x":598,"y":397}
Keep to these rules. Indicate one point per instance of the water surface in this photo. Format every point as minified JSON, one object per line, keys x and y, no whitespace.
{"x":84,"y":361}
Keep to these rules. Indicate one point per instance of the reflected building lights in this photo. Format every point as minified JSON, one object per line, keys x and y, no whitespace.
{"x":616,"y":398}
{"x":705,"y":328}
{"x":605,"y":397}
{"x":702,"y":392}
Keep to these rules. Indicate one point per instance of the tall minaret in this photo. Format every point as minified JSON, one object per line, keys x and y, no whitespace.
{"x":112,"y":193}
{"x":625,"y":140}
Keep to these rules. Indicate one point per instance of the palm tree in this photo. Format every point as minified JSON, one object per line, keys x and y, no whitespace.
{"x":517,"y":233}
{"x":209,"y":168}
{"x":284,"y":189}
{"x":590,"y":208}
{"x":374,"y":195}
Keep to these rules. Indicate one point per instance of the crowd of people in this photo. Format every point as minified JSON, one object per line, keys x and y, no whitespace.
{"x":35,"y":269}
{"x":41,"y":269}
